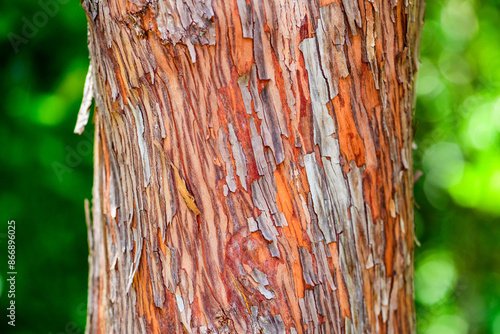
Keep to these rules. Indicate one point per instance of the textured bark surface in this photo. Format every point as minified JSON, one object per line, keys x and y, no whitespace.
{"x":253,"y":165}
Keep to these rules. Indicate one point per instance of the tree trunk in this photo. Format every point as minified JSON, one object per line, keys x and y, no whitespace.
{"x":253,"y":165}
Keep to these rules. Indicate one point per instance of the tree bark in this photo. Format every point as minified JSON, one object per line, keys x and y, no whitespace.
{"x":253,"y":165}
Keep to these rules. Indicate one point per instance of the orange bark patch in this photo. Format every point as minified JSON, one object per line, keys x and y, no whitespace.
{"x":350,"y":142}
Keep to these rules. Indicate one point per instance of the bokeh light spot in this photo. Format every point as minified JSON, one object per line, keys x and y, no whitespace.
{"x":51,"y":110}
{"x":447,"y":324}
{"x":458,"y":20}
{"x":443,"y":164}
{"x":435,"y":278}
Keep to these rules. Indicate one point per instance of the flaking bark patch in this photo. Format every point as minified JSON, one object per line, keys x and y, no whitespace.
{"x":186,"y":195}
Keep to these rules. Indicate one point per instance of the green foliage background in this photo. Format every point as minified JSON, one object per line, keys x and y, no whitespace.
{"x":457,"y":148}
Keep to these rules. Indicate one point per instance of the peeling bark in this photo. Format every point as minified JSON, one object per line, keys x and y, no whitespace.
{"x":253,"y":165}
